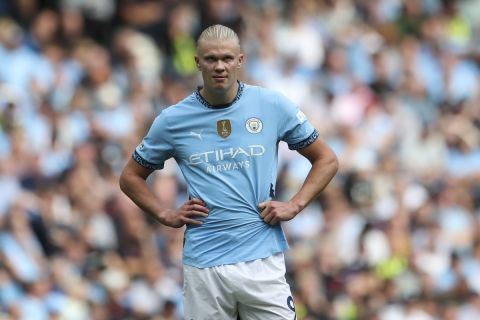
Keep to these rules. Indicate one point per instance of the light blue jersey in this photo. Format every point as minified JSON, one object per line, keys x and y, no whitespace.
{"x":228,"y":157}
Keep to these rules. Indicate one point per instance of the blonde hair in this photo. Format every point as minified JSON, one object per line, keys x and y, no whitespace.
{"x":218,"y":32}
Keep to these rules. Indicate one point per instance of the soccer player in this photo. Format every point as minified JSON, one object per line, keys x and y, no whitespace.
{"x":224,"y":137}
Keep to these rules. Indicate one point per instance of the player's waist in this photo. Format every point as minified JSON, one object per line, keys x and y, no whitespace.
{"x":207,"y":246}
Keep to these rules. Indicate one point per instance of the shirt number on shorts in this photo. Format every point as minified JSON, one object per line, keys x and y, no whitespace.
{"x":291,"y":305}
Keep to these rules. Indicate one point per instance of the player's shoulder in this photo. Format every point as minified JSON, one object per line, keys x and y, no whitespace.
{"x":263,"y":93}
{"x":251,"y":88}
{"x":178,"y":109}
{"x":271,"y":98}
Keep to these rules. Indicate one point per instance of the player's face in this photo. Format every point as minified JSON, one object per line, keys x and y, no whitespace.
{"x":219,"y":61}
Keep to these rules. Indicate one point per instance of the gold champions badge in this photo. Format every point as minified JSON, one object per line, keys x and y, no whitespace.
{"x":224,"y":128}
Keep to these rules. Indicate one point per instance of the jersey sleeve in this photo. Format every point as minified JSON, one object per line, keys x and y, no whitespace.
{"x":156,"y":147}
{"x":294,"y":127}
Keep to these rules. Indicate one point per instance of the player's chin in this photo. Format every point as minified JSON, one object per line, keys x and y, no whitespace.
{"x":220,"y":86}
{"x":220,"y":81}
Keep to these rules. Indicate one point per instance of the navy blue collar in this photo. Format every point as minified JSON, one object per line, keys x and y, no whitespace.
{"x":219,"y":106}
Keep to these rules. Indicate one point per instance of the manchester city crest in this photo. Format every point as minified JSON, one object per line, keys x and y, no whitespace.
{"x":254,"y":125}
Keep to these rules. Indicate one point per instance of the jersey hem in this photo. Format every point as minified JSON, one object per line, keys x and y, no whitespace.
{"x":213,"y":264}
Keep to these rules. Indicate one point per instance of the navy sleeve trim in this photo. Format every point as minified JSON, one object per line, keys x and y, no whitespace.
{"x":145,"y":163}
{"x":305,"y":143}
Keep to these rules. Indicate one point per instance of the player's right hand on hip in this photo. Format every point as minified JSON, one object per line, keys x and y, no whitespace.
{"x":191,"y":212}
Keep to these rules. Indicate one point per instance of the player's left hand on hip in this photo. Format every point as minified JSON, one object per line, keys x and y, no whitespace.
{"x":272,"y":212}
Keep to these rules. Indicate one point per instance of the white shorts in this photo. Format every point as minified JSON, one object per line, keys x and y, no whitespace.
{"x":247,"y":290}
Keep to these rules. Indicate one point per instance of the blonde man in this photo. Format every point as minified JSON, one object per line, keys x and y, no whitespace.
{"x":224,"y":136}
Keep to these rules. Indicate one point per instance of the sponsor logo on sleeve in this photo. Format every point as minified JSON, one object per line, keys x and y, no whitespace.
{"x":301,"y":116}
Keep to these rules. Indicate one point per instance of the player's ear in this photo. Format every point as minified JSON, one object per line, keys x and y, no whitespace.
{"x":240,"y":60}
{"x":197,"y":62}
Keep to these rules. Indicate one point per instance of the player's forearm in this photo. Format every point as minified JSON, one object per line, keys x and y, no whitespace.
{"x":322,"y":172}
{"x":137,"y":190}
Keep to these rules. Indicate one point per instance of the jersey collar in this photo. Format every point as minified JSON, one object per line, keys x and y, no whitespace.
{"x":219,"y":106}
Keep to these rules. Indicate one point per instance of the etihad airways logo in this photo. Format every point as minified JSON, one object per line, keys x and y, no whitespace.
{"x":228,"y":154}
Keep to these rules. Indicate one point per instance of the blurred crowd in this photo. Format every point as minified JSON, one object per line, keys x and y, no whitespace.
{"x":391,"y":85}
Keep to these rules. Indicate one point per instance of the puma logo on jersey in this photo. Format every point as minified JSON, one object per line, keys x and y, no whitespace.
{"x":197,"y":134}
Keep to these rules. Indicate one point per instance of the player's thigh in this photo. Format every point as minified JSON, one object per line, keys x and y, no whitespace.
{"x":278,"y":307}
{"x":265,"y":293}
{"x":206,"y":297}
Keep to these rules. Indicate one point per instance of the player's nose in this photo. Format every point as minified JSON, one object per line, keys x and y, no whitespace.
{"x":219,"y":66}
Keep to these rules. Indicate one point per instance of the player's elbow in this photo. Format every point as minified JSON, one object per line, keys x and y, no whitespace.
{"x":335,"y":164}
{"x":127,"y":181}
{"x":123,"y":181}
{"x":331,"y":162}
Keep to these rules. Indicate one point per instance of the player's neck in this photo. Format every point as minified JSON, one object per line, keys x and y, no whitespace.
{"x":216,"y":98}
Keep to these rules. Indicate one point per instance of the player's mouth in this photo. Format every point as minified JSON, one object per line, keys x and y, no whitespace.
{"x":219,"y":78}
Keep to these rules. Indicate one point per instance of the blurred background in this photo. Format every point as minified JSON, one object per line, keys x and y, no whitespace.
{"x":391,"y":85}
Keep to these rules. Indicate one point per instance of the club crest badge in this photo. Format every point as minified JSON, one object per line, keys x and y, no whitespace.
{"x":224,"y":128}
{"x":254,"y":125}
